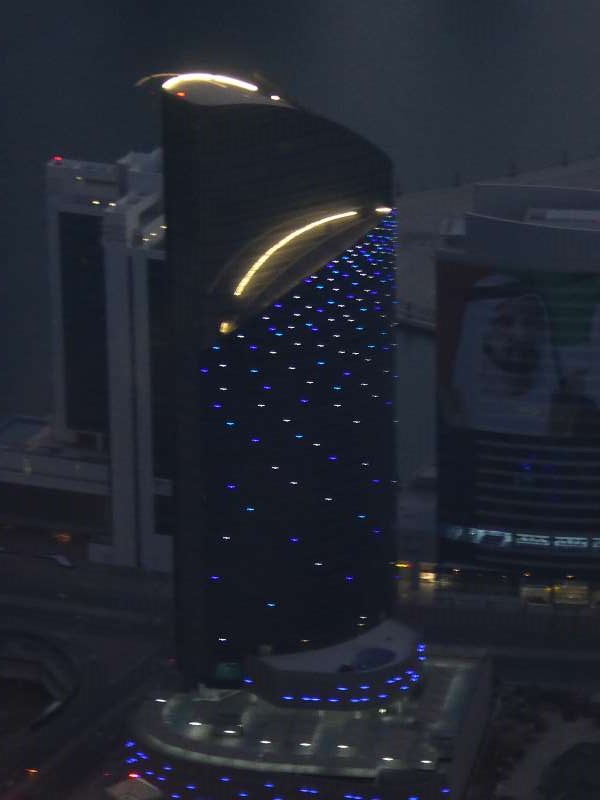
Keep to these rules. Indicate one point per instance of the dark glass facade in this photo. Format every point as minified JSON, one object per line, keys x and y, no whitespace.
{"x":283,"y":467}
{"x":84,"y":321}
{"x":297,"y":411}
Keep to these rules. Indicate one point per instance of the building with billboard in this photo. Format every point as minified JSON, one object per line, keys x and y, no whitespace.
{"x":519,"y":388}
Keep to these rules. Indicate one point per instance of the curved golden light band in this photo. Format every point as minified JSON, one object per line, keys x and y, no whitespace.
{"x":261,"y":260}
{"x":151,"y":77}
{"x":208,"y":77}
{"x":384,"y":210}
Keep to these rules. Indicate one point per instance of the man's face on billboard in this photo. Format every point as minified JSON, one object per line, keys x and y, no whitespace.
{"x":513,"y":341}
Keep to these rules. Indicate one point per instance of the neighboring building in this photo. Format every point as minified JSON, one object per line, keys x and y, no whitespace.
{"x":518,"y":326}
{"x":93,"y":474}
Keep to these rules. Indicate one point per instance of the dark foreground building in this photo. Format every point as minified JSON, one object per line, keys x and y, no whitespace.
{"x":280,"y":249}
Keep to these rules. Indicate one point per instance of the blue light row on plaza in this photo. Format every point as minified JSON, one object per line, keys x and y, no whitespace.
{"x":268,"y":783}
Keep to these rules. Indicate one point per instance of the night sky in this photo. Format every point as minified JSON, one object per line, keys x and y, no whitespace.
{"x":445,"y":87}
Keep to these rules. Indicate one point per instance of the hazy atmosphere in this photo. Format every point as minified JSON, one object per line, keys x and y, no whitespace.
{"x":451,"y":90}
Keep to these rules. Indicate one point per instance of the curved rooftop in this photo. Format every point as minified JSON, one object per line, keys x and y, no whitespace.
{"x":213,"y":89}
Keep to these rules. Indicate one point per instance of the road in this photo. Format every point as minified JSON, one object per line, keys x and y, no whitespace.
{"x":117,"y":623}
{"x":116,"y":626}
{"x":522,"y":627}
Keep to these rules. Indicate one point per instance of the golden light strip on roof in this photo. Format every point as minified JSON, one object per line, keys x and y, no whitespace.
{"x":261,"y":260}
{"x":154,"y":75}
{"x":208,"y":77}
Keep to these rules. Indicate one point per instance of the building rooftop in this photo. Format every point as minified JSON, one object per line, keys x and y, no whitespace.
{"x":388,"y":642}
{"x":423,"y":215}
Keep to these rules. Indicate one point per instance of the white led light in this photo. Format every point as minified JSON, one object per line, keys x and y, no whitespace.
{"x":207,"y":77}
{"x":160,"y":700}
{"x":197,"y":724}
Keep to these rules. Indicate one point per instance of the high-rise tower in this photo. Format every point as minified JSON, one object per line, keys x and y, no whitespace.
{"x":280,"y":251}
